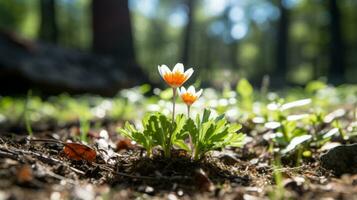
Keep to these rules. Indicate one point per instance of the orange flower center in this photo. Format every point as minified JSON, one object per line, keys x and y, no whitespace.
{"x":188,"y":98}
{"x":175,"y":79}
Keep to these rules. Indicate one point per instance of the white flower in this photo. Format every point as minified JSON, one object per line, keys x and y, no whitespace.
{"x":190,"y":95}
{"x":177,"y":77}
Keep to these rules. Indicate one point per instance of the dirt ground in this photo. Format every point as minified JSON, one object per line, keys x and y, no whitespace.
{"x":31,"y":169}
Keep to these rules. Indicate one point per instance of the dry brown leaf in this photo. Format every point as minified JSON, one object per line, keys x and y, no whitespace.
{"x":203,"y":183}
{"x":24,"y":174}
{"x":77,"y":151}
{"x":124,"y":144}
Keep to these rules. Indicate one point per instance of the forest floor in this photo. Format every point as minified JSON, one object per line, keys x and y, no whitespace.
{"x":37,"y":169}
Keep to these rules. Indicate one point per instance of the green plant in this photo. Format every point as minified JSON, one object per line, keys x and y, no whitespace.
{"x":166,"y":133}
{"x":209,"y":134}
{"x":158,"y":130}
{"x":278,"y":191}
{"x":84,"y":126}
{"x":140,"y":137}
{"x":27,"y":114}
{"x":245,"y":91}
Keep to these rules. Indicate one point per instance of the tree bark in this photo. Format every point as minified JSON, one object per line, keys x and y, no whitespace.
{"x":336,"y":71}
{"x":191,"y":4}
{"x":48,"y":27}
{"x":282,"y":39}
{"x":112,"y":32}
{"x":112,"y":35}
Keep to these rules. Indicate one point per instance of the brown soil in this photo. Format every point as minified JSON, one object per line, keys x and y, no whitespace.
{"x":40,"y":170}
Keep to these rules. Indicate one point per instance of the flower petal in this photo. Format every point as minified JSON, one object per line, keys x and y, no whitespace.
{"x":198,"y":94}
{"x":159,"y":68}
{"x":165,"y":70}
{"x":191,"y":90}
{"x":188,"y":73}
{"x":178,"y":68}
{"x":183,"y":90}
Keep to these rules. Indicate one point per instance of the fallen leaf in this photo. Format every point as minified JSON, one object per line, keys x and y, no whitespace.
{"x":24,"y":174}
{"x":77,"y":151}
{"x":93,"y":134}
{"x":203,"y":183}
{"x":124,"y":144}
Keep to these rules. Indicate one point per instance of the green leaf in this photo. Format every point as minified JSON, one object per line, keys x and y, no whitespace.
{"x":166,"y":94}
{"x":191,"y":129}
{"x":244,"y":88}
{"x":331,"y":133}
{"x":296,"y":141}
{"x":294,"y":104}
{"x":144,"y":88}
{"x":206,"y":115}
{"x":181,"y":144}
{"x":234,"y":128}
{"x":219,"y":117}
{"x":210,"y":134}
{"x":314,"y":86}
{"x":237,"y":140}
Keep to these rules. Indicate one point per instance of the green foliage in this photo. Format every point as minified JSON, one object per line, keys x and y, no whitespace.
{"x":278,"y":191}
{"x":209,"y":134}
{"x":26,"y":113}
{"x":245,"y":90}
{"x":12,"y":13}
{"x":84,"y":130}
{"x":314,"y":86}
{"x":300,"y":120}
{"x":139,"y":137}
{"x":158,"y":130}
{"x":165,"y":133}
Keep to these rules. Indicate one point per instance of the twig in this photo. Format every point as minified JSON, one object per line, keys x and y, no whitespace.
{"x":2,"y":140}
{"x":59,"y":177}
{"x":283,"y":169}
{"x":65,"y":144}
{"x":48,"y":172}
{"x":48,"y":160}
{"x":46,"y":141}
{"x":44,"y":159}
{"x":8,"y":155}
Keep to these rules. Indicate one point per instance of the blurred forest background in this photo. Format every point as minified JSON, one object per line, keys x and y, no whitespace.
{"x":289,"y":41}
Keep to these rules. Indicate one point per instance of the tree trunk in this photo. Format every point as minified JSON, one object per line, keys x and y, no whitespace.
{"x":112,"y":34}
{"x":337,"y":68}
{"x":233,"y":43}
{"x":188,"y":31}
{"x":282,"y":39}
{"x":48,"y":27}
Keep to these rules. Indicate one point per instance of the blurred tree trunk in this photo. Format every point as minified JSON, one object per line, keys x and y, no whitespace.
{"x":233,"y":43}
{"x":233,"y":49}
{"x":48,"y":27}
{"x":191,"y":4}
{"x":282,"y":39}
{"x":112,"y":33}
{"x":337,"y":68}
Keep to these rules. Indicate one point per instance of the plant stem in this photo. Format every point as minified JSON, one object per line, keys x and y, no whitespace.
{"x":173,"y":104}
{"x":189,"y":135}
{"x":26,"y":113}
{"x":167,"y":149}
{"x":298,"y":156}
{"x":188,"y":111}
{"x":149,"y":152}
{"x":195,"y":154}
